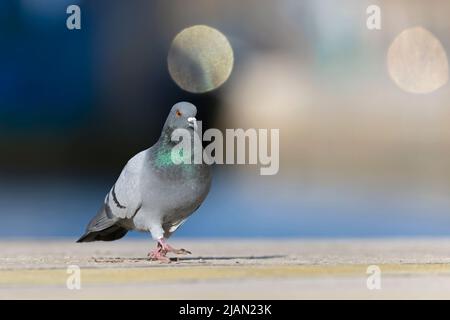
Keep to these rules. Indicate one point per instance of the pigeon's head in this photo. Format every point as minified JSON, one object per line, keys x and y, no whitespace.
{"x":182,"y":116}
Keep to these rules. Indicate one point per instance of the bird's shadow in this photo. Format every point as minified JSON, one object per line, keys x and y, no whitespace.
{"x":186,"y":258}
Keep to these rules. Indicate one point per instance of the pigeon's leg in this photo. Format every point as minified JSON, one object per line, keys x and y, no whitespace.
{"x":168,"y":248}
{"x":158,"y":254}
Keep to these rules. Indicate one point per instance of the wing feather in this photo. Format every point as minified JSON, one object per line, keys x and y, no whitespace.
{"x":124,"y":198}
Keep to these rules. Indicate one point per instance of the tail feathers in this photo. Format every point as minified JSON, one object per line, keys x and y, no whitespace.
{"x":103,"y":227}
{"x":114,"y":232}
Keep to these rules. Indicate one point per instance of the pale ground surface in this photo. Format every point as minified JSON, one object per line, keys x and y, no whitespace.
{"x":228,"y":269}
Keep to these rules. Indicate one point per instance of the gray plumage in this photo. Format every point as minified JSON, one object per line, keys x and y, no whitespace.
{"x":153,"y":194}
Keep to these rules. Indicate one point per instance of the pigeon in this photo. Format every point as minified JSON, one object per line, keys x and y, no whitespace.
{"x":153,"y":193}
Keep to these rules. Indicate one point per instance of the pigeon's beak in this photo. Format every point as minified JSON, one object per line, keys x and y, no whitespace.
{"x":192,"y":122}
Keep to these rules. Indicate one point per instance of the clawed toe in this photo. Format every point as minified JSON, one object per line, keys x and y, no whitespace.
{"x":169,"y":248}
{"x":181,"y":251}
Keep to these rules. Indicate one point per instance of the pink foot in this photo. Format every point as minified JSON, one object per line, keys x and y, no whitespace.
{"x":168,"y":248}
{"x":158,"y":255}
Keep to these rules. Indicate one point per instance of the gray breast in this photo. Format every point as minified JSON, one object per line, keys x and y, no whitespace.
{"x":184,"y":198}
{"x":176,"y":192}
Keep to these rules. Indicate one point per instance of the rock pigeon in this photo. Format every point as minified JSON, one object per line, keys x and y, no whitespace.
{"x":154,"y":194}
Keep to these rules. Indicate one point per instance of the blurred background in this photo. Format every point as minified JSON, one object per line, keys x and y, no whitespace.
{"x":359,"y":155}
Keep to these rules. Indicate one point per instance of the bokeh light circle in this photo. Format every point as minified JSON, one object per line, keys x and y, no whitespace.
{"x":417,"y":61}
{"x":200,"y":59}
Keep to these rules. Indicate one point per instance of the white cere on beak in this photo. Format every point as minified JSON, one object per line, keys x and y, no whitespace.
{"x":192,"y":122}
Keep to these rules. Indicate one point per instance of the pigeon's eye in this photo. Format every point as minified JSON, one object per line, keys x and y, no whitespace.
{"x":178,"y":113}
